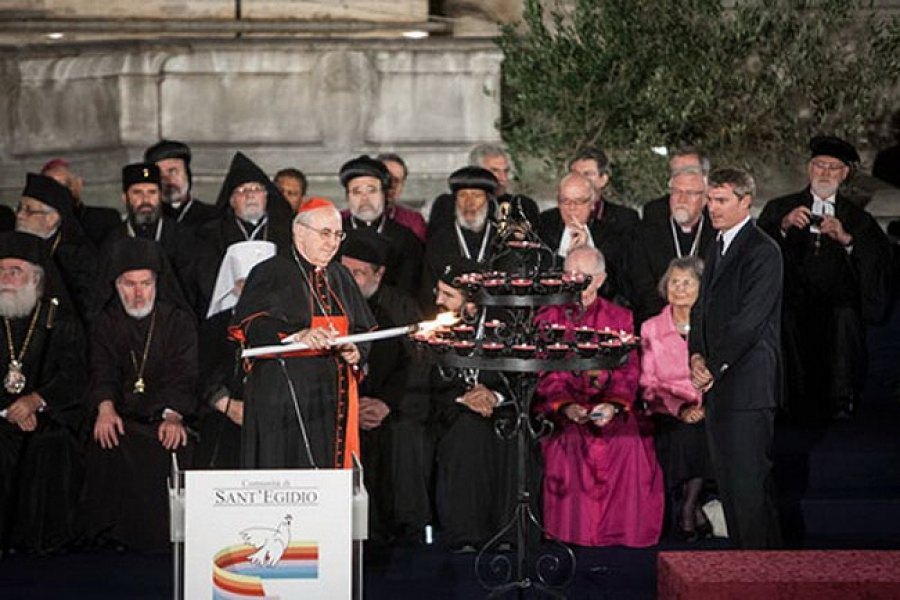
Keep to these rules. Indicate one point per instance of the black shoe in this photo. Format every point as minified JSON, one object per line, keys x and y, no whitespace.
{"x":464,"y":549}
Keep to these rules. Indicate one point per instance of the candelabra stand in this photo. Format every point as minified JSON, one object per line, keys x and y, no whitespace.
{"x":521,"y":350}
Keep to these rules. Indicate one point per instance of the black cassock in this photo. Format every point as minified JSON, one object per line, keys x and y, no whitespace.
{"x":393,"y":457}
{"x":125,"y":487}
{"x":221,"y":375}
{"x":656,"y":241}
{"x":829,"y":293}
{"x":79,"y":265}
{"x":285,"y":398}
{"x":41,"y":471}
{"x":404,"y":262}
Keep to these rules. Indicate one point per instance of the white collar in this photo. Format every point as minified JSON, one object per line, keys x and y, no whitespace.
{"x":729,"y":234}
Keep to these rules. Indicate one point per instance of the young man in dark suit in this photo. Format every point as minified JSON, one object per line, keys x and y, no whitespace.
{"x":735,"y":359}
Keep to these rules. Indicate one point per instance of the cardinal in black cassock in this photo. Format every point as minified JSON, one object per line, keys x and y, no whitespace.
{"x":301,"y":411}
{"x":142,"y":388}
{"x":43,"y":370}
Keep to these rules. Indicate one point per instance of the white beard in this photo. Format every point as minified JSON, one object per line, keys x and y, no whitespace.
{"x":368,"y":214}
{"x":253,"y":215}
{"x":26,"y":229}
{"x":823,"y":192}
{"x":477,"y":225}
{"x":139,"y":313}
{"x":15,"y":304}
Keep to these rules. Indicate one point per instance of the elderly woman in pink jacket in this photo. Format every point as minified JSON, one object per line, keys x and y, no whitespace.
{"x":678,"y":407}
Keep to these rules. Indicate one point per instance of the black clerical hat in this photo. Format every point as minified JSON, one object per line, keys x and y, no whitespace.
{"x":132,"y":254}
{"x":457,"y":266}
{"x":828,"y":145}
{"x":49,"y":191}
{"x":241,"y":170}
{"x":365,"y":166}
{"x":476,"y":178}
{"x":144,"y":172}
{"x":367,"y":245}
{"x":24,"y":246}
{"x":170,"y":149}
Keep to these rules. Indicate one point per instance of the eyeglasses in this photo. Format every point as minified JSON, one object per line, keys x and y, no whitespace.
{"x":691,"y":194}
{"x":327,"y":234}
{"x":251,"y":188}
{"x":574,"y":201}
{"x":30,"y":212}
{"x":827,"y":167}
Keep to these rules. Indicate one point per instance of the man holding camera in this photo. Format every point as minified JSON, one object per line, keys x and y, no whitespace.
{"x":836,"y":278}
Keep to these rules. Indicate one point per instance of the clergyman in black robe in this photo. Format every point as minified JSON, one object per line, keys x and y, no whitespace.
{"x":392,"y":417}
{"x":837,"y":267}
{"x":300,"y":411}
{"x":367,"y":181}
{"x":142,"y":388}
{"x":174,"y":161}
{"x":44,"y":372}
{"x":46,"y":210}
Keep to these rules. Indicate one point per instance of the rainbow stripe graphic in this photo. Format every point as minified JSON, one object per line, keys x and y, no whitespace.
{"x":235,"y":578}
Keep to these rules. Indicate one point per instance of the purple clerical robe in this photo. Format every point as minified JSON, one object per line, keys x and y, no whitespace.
{"x":602,"y":485}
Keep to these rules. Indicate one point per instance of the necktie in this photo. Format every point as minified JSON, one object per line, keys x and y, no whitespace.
{"x":720,"y":245}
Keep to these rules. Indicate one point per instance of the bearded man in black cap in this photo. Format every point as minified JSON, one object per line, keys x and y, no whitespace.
{"x":250,"y":208}
{"x":391,"y":416}
{"x":141,"y":189}
{"x":301,"y":411}
{"x":836,"y":279}
{"x":43,"y":377}
{"x":470,"y":235}
{"x":45,"y":210}
{"x":143,"y":386}
{"x":174,"y":161}
{"x":366,"y":181}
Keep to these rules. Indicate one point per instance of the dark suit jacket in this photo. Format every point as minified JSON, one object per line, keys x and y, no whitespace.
{"x":736,"y":322}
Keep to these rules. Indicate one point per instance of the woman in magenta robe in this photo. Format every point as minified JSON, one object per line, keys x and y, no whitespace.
{"x":602,"y":484}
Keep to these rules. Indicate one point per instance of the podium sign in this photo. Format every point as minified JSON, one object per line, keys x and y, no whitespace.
{"x":267,"y":534}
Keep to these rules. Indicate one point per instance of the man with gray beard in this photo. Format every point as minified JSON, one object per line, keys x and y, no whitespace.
{"x":367,"y":180}
{"x":46,"y":211}
{"x":836,"y":279}
{"x":675,"y":227}
{"x":143,"y":386}
{"x":43,"y":369}
{"x":174,"y":161}
{"x":392,"y":408}
{"x":470,"y":235}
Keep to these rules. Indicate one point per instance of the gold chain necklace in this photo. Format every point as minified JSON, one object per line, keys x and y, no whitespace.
{"x":15,"y":381}
{"x":139,"y":385}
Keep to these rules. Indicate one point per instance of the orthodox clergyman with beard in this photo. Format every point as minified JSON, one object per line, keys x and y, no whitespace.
{"x":391,"y":414}
{"x":143,"y":385}
{"x":46,"y":210}
{"x":43,"y":370}
{"x":366,"y":181}
{"x":174,"y":161}
{"x":302,"y":411}
{"x":470,"y":235}
{"x":141,"y":190}
{"x":250,"y":208}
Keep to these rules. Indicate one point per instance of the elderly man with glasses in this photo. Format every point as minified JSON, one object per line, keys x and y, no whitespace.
{"x":301,"y":411}
{"x":836,"y":279}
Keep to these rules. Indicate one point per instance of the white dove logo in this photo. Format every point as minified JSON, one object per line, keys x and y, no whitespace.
{"x":270,"y":543}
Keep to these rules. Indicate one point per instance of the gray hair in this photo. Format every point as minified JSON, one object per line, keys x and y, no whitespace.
{"x":687,"y":171}
{"x":592,"y":253}
{"x":482,"y":151}
{"x":740,"y":180}
{"x":685,"y":263}
{"x":692,"y":151}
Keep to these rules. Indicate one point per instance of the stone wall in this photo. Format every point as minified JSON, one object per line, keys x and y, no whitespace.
{"x":308,"y":104}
